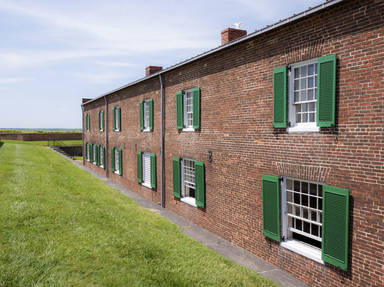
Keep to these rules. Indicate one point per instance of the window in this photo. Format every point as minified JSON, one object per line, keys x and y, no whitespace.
{"x":87,"y":122}
{"x":146,"y":169}
{"x":117,"y":160}
{"x":102,"y":157}
{"x":146,"y":115}
{"x":116,"y":119}
{"x":311,"y":95}
{"x":189,"y":181}
{"x":303,"y":96}
{"x":101,"y":120}
{"x":188,"y":109}
{"x":94,"y":152}
{"x":88,"y":147}
{"x":302,"y":215}
{"x":314,"y":218}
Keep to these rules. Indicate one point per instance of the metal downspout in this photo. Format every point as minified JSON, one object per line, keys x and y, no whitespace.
{"x":162,"y":143}
{"x":106,"y":137}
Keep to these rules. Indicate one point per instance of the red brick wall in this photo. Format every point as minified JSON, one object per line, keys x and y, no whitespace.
{"x":236,"y":125}
{"x":41,"y":137}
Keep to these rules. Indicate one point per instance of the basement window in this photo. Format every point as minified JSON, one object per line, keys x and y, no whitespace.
{"x":188,"y":181}
{"x":302,"y":217}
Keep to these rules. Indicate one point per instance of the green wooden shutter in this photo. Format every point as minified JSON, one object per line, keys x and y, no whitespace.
{"x":153,"y":170}
{"x":150,"y":114}
{"x":139,"y":167}
{"x":85,"y":154}
{"x":120,"y":161}
{"x":119,"y":118}
{"x":176,"y":177}
{"x":114,"y":118}
{"x":104,"y":158}
{"x":99,"y":120}
{"x":196,"y":108}
{"x":141,"y":110}
{"x":326,"y":91}
{"x":335,"y":226}
{"x":179,"y":110}
{"x":200,"y":184}
{"x":271,"y":206}
{"x":280,"y":97}
{"x":113,"y":159}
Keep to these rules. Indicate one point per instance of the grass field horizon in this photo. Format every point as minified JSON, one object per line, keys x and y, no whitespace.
{"x":62,"y":227}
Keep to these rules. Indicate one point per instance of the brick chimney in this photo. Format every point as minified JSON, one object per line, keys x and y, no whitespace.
{"x":152,"y":69}
{"x":84,"y":100}
{"x":230,"y":34}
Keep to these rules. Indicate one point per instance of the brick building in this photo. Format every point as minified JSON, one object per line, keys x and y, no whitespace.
{"x":273,"y":140}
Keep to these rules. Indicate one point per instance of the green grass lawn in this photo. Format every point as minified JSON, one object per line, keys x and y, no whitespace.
{"x":60,"y":226}
{"x":46,"y":143}
{"x":77,"y":157}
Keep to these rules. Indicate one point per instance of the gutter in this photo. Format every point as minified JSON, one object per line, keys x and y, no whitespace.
{"x":106,"y":137}
{"x":162,"y":159}
{"x":268,"y":28}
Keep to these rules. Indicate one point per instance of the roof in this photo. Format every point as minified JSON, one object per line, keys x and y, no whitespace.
{"x":294,"y":17}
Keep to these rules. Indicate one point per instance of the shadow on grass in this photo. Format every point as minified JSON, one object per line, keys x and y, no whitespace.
{"x":1,"y":144}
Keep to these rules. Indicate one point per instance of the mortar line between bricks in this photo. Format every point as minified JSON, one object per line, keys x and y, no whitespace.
{"x":282,"y":279}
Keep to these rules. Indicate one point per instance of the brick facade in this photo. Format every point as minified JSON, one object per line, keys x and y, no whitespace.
{"x":236,"y":126}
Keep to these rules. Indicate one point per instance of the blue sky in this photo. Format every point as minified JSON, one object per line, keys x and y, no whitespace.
{"x":53,"y":53}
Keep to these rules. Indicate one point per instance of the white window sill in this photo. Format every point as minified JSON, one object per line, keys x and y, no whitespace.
{"x":117,"y":172}
{"x":302,"y":128}
{"x":101,"y":166}
{"x":116,"y":130}
{"x":146,"y":185}
{"x":94,"y":162}
{"x":189,"y":200}
{"x":188,"y":129}
{"x":146,"y":130}
{"x":303,"y":249}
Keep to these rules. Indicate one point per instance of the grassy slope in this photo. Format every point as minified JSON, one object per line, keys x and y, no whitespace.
{"x":46,"y":143}
{"x":62,"y":227}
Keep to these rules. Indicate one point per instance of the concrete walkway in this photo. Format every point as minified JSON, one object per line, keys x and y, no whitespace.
{"x":212,"y":241}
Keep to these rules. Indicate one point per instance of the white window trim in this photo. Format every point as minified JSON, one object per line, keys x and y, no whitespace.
{"x":146,"y":104}
{"x":101,"y":120}
{"x":187,"y":128}
{"x":117,"y":121}
{"x":188,"y":200}
{"x":100,"y":153}
{"x":306,"y":250}
{"x":142,"y":170}
{"x":94,"y":149}
{"x":117,"y":170}
{"x":300,"y":127}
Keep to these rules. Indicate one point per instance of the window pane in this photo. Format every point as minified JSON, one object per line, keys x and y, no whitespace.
{"x":303,"y":95}
{"x":310,"y":69}
{"x":303,"y":71}
{"x":296,"y":87}
{"x":310,"y":82}
{"x":297,"y":97}
{"x":296,"y":73}
{"x":303,"y":84}
{"x":310,"y":94}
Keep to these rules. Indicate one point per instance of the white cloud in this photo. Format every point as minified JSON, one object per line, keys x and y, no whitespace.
{"x":102,"y":78}
{"x":13,"y":80}
{"x":114,"y":64}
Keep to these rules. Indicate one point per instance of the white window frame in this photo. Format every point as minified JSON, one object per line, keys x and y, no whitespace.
{"x":117,"y":161}
{"x":187,"y":199}
{"x":146,"y":116}
{"x":295,"y":245}
{"x":187,"y":126}
{"x":88,"y":151}
{"x":101,"y":120}
{"x":101,"y":156}
{"x":94,"y":154}
{"x":293,"y":126}
{"x":146,"y":159}
{"x":117,"y":120}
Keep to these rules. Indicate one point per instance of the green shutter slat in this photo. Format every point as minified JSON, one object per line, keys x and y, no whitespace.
{"x":114,"y":118}
{"x":139,"y":168}
{"x":119,"y":118}
{"x":99,"y":120}
{"x":326,"y":91}
{"x":196,"y":108}
{"x":153,"y":170}
{"x":179,"y":110}
{"x":141,"y":110}
{"x":85,"y":154}
{"x":200,"y":184}
{"x":113,"y":159}
{"x":335,"y":226}
{"x":91,"y":152}
{"x":150,"y":114}
{"x":271,"y":206}
{"x":97,"y":155}
{"x":176,"y":177}
{"x":104,"y":158}
{"x":120,"y":161}
{"x":280,"y":97}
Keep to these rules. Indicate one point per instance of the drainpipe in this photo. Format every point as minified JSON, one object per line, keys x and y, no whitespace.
{"x":162,"y":143}
{"x":82,"y":132}
{"x":106,"y":137}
